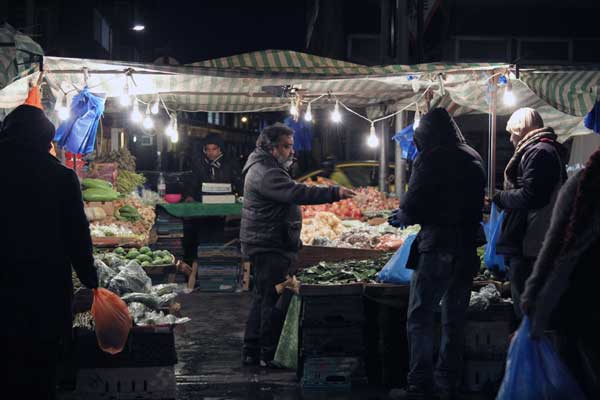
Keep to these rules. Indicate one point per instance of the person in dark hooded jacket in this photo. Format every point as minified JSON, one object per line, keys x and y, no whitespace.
{"x":532,"y":180}
{"x":445,"y":196}
{"x":270,"y":232}
{"x":45,"y":233}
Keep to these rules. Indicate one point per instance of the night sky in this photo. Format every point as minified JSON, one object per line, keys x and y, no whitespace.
{"x":197,"y":30}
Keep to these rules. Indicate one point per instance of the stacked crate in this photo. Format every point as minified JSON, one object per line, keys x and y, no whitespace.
{"x":332,"y":348}
{"x":169,"y":231}
{"x":487,"y":338}
{"x":144,"y":369}
{"x":219,"y":268}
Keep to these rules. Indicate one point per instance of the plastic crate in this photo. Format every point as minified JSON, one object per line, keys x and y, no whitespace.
{"x":487,"y":340}
{"x":143,"y":349}
{"x":126,"y":383}
{"x":479,"y":375}
{"x":218,"y":284}
{"x":331,"y":373}
{"x":331,"y":311}
{"x":333,"y":341}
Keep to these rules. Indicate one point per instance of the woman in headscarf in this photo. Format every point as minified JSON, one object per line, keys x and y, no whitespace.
{"x":532,"y":180}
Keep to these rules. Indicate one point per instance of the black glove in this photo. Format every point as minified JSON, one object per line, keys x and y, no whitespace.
{"x":398,"y":219}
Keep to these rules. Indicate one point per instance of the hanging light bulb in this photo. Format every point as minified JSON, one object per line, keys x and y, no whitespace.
{"x":148,"y":123}
{"x":61,"y":108}
{"x":175,"y":137}
{"x":509,"y":98}
{"x":308,"y":114}
{"x":293,"y":109}
{"x":134,"y":139}
{"x":336,"y":116}
{"x":155,"y":105}
{"x":171,"y":130}
{"x":136,"y":115}
{"x":244,"y":119}
{"x":125,"y":98}
{"x":372,"y":140}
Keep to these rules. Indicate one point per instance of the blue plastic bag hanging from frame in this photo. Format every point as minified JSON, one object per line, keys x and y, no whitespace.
{"x":405,"y":139}
{"x":535,"y":372}
{"x":592,"y":119}
{"x":492,"y":230}
{"x":395,"y":270}
{"x":78,"y":133}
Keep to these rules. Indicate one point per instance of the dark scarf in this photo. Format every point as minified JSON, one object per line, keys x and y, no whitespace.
{"x":512,"y":169}
{"x":213,"y":165}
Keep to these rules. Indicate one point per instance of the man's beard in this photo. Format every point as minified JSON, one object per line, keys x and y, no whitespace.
{"x":286,"y":163}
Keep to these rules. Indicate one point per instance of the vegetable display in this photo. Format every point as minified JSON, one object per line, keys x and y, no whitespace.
{"x":145,"y":256}
{"x":128,"y":181}
{"x":100,"y":194}
{"x":351,"y":271}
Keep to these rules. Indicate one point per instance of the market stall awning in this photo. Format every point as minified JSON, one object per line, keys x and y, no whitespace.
{"x":257,"y":82}
{"x":19,"y":55}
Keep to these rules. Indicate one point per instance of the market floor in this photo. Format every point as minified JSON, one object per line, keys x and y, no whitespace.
{"x":209,"y":353}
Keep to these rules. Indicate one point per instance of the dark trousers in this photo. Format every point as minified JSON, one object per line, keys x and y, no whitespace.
{"x":446,"y":278}
{"x":265,"y":320}
{"x":519,"y":270}
{"x":28,"y":367}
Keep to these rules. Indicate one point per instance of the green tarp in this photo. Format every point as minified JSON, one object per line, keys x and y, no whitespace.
{"x":196,"y":210}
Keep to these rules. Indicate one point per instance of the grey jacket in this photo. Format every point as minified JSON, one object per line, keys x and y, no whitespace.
{"x":552,"y":273}
{"x":271,"y":216}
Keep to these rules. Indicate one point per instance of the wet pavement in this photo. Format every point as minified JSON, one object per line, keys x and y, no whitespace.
{"x":209,"y":353}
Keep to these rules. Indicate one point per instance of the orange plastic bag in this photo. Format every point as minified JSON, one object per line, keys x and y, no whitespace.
{"x":34,"y":98}
{"x":112,"y":320}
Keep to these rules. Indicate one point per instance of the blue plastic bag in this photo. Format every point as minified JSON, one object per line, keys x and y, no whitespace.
{"x":395,"y":270}
{"x":492,"y":230}
{"x":535,"y":372}
{"x":405,"y":139}
{"x":78,"y":133}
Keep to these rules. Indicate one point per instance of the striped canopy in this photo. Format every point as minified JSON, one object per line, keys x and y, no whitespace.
{"x":256,"y":81}
{"x":19,"y":55}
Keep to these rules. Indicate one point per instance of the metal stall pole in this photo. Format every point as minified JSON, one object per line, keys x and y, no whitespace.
{"x":491,"y":183}
{"x":383,"y":143}
{"x":400,"y":170}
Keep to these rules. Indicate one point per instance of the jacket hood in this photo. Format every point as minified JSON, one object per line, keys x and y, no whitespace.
{"x":27,"y":127}
{"x":258,"y":156}
{"x":437,"y":128}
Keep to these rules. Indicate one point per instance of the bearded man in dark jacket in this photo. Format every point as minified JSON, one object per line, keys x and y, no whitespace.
{"x":270,"y":232}
{"x":45,"y":233}
{"x":445,"y":196}
{"x":532,"y":180}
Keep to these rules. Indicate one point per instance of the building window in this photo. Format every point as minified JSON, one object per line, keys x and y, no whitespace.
{"x":102,"y":32}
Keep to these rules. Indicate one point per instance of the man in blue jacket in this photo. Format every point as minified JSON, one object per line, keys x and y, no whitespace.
{"x":445,"y":196}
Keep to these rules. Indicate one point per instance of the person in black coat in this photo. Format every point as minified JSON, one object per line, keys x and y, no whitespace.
{"x":45,"y":233}
{"x":212,"y":167}
{"x":445,"y":196}
{"x":270,"y":232}
{"x":532,"y":180}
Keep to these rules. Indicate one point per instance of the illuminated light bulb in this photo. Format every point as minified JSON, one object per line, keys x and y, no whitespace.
{"x":154,"y":108}
{"x":416,"y":122}
{"x":170,"y":131}
{"x":136,"y":115}
{"x":293,"y":108}
{"x":372,"y":140}
{"x":175,"y":137}
{"x":308,"y":114}
{"x":336,"y":116}
{"x":148,"y":122}
{"x":244,"y":119}
{"x":61,"y":108}
{"x":63,"y":113}
{"x":509,"y":98}
{"x":134,"y":139}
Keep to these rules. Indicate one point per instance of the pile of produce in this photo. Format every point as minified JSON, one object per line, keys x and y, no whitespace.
{"x":122,"y":157}
{"x":371,"y":200}
{"x":351,"y":271}
{"x":128,"y":181}
{"x":344,"y":209}
{"x":145,"y":256}
{"x":368,"y":202}
{"x":111,"y":230}
{"x":98,"y":190}
{"x":326,"y":229}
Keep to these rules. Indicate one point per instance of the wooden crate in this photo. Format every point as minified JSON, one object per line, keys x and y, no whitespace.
{"x":312,"y":255}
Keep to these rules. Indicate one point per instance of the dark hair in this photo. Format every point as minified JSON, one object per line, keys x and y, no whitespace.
{"x":588,"y":196}
{"x":214,"y":138}
{"x":269,"y":137}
